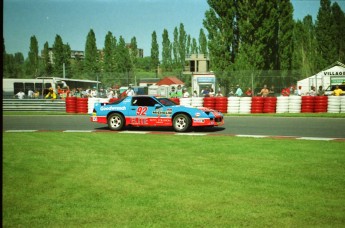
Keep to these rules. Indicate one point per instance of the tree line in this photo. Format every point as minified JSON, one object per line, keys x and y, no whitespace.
{"x":252,"y":37}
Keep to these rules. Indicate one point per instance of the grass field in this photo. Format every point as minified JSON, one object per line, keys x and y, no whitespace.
{"x":56,"y":179}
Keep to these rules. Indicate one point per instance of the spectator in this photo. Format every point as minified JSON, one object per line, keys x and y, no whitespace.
{"x":219,"y":94}
{"x":179,"y":91}
{"x":93,"y":92}
{"x":320,"y":92}
{"x":36,"y":94}
{"x":299,"y":91}
{"x":249,"y":92}
{"x":110,"y":93}
{"x":211,"y":93}
{"x":130,"y":91}
{"x":337,"y":91}
{"x":20,"y":94}
{"x":185,"y":93}
{"x":231,"y":93}
{"x":238,"y":92}
{"x":312,"y":91}
{"x":264,"y":91}
{"x":172,"y":93}
{"x":285,"y":92}
{"x":30,"y":93}
{"x":205,"y":92}
{"x":51,"y":94}
{"x":195,"y":93}
{"x":271,"y":91}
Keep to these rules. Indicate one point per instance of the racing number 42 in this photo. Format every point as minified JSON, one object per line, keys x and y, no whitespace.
{"x":141,"y":111}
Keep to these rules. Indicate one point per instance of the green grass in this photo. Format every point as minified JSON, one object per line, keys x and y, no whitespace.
{"x":120,"y":180}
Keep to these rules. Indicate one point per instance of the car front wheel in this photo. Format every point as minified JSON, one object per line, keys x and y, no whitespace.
{"x":181,"y":123}
{"x":116,"y":122}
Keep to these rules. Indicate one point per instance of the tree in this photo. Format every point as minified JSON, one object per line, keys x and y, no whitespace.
{"x":338,"y":32}
{"x":182,"y":46}
{"x":91,"y":60}
{"x":134,"y":51}
{"x":154,"y":51}
{"x":33,"y":63}
{"x":202,"y":42}
{"x":47,"y":64}
{"x":325,"y":44}
{"x":58,"y":56}
{"x":166,"y":51}
{"x":175,"y":48}
{"x":109,"y":51}
{"x":123,"y":62}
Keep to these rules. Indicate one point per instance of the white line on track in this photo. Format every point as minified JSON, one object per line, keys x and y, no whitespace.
{"x":134,"y":132}
{"x":252,"y":136}
{"x":192,"y":134}
{"x":79,"y":131}
{"x":316,"y":138}
{"x":15,"y":131}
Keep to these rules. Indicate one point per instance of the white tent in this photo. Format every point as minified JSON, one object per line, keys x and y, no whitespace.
{"x":322,"y":78}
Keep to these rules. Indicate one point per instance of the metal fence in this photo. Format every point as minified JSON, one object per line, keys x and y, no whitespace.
{"x":33,"y":105}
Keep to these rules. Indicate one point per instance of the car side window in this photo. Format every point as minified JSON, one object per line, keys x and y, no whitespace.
{"x":143,"y":101}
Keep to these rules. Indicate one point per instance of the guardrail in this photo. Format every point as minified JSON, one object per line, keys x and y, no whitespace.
{"x":33,"y":105}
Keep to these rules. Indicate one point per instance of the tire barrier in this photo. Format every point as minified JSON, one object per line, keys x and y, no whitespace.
{"x":82,"y":105}
{"x":334,"y":104}
{"x":321,"y":104}
{"x":342,"y":104}
{"x":294,"y":104}
{"x":197,"y":102}
{"x":91,"y":104}
{"x":186,"y":102}
{"x":307,"y":104}
{"x":210,"y":102}
{"x":282,"y":104}
{"x":270,"y":104}
{"x":257,"y":105}
{"x":71,"y":104}
{"x":221,"y":104}
{"x":233,"y":105}
{"x":245,"y":105}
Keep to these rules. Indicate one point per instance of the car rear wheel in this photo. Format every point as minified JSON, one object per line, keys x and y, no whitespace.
{"x":116,"y":122}
{"x":181,"y":123}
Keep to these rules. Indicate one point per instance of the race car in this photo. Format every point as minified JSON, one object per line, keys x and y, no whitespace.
{"x":151,"y":111}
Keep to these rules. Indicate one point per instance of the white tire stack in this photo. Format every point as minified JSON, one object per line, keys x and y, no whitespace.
{"x":197,"y":102}
{"x":233,"y":105}
{"x":295,"y":103}
{"x":186,"y":101}
{"x":342,"y":104}
{"x":334,"y":104}
{"x":91,"y":104}
{"x":245,"y":105}
{"x":282,"y":104}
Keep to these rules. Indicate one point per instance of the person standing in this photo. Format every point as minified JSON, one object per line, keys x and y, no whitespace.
{"x":264,"y":91}
{"x":239,"y":91}
{"x":320,"y":92}
{"x":185,"y":93}
{"x":130,"y":91}
{"x":337,"y":91}
{"x":20,"y":95}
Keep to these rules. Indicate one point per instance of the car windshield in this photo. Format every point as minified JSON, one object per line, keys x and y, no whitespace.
{"x":166,"y":102}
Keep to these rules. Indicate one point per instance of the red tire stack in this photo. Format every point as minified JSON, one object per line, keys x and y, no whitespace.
{"x":176,"y":100}
{"x":270,"y":104}
{"x":257,"y":105}
{"x":307,"y":104}
{"x":71,"y":104}
{"x":320,"y":104}
{"x":221,"y":104}
{"x":82,"y":105}
{"x":210,"y":102}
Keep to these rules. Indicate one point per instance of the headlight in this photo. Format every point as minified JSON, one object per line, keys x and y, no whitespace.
{"x":197,"y":114}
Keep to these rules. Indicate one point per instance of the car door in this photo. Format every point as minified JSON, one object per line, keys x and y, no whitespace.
{"x":146,"y":111}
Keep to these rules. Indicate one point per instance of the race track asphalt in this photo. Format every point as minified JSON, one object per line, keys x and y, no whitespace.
{"x":234,"y":125}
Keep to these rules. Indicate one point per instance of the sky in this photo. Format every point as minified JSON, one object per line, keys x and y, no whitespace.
{"x":73,"y":19}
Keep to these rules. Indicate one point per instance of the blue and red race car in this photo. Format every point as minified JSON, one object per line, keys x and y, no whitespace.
{"x":151,"y":111}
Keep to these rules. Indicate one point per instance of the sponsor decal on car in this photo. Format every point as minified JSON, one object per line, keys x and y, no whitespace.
{"x":160,"y":112}
{"x":112,"y":108}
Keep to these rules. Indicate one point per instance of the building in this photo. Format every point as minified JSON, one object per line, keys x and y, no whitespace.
{"x":197,"y":63}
